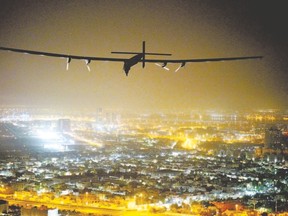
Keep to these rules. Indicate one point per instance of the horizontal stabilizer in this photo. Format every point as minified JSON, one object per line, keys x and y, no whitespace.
{"x":162,"y":54}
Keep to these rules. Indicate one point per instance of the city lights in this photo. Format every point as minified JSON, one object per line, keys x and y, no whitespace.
{"x":206,"y":136}
{"x":165,"y":165}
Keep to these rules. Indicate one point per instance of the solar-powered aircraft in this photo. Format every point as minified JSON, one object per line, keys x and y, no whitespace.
{"x":129,"y":62}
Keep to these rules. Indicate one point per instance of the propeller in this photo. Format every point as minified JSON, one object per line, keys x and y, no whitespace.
{"x":180,"y":66}
{"x":163,"y":65}
{"x":68,"y":62}
{"x":87,"y":62}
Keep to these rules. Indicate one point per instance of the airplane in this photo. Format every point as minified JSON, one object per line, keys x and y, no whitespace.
{"x":129,"y":62}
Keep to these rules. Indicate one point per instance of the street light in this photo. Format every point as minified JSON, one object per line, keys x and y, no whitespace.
{"x":254,"y":202}
{"x":86,"y":195}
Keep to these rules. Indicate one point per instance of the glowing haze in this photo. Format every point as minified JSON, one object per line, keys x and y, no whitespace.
{"x":187,"y":29}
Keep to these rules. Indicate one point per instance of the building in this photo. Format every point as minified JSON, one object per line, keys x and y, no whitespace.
{"x":99,"y":116}
{"x":274,"y":138}
{"x":64,"y":125}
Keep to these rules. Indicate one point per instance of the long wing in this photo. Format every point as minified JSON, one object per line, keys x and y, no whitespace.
{"x":201,"y":60}
{"x":92,"y":58}
{"x":183,"y":62}
{"x":164,"y":62}
{"x":66,"y":56}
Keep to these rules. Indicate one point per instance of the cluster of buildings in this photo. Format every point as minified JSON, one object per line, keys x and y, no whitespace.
{"x":166,"y":162}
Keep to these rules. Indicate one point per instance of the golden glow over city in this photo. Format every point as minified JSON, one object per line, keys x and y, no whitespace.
{"x":190,"y":143}
{"x":92,"y":31}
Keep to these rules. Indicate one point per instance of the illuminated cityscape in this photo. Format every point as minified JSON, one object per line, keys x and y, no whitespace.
{"x":198,"y":163}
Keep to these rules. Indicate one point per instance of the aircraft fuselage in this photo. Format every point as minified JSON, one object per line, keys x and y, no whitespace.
{"x":131,"y":62}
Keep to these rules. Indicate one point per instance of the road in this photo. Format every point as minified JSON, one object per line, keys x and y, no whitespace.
{"x":87,"y":209}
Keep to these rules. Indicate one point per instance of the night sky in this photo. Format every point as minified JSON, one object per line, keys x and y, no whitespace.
{"x":187,"y":29}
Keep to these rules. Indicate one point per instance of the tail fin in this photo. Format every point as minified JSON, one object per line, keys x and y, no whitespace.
{"x":143,"y":53}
